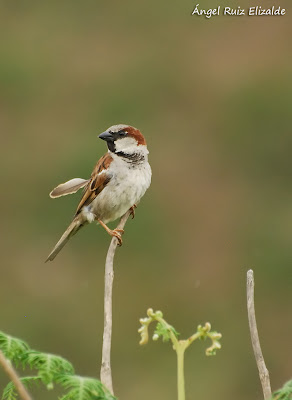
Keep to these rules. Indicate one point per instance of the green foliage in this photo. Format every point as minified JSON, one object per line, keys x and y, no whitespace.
{"x":51,"y":369}
{"x":10,"y":393}
{"x":12,"y":348}
{"x":83,"y":388}
{"x":49,"y":366}
{"x":285,"y":393}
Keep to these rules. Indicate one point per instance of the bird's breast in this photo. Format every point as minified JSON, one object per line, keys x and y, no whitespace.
{"x":126,"y":188}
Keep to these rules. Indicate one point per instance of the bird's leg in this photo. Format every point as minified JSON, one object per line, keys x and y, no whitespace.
{"x":114,"y":233}
{"x":132,"y":211}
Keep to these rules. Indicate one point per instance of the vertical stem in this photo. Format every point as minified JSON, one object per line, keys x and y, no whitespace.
{"x":105,"y":371}
{"x":263,"y":371}
{"x":180,"y":373}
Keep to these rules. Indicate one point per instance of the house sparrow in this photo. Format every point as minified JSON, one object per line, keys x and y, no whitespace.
{"x":117,"y":183}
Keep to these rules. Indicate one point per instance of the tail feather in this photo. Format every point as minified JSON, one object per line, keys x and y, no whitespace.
{"x":75,"y":225}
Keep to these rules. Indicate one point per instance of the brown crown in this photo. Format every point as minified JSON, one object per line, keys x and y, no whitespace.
{"x":136,"y":134}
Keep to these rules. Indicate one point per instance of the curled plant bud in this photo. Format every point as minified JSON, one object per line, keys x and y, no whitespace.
{"x":143,"y":330}
{"x":211,"y":351}
{"x":150,"y":312}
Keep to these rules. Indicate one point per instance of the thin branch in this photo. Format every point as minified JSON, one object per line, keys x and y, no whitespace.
{"x":10,"y":371}
{"x":105,"y":371}
{"x":263,"y":372}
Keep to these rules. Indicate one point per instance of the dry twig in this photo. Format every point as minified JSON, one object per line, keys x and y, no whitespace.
{"x":10,"y":371}
{"x":105,"y":371}
{"x":263,"y":372}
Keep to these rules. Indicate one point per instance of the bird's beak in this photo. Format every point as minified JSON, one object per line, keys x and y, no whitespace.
{"x":106,"y":136}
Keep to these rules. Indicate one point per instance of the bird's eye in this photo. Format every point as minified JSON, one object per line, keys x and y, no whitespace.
{"x":123,"y":133}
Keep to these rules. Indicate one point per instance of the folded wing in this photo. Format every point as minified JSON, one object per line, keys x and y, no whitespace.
{"x":100,"y":177}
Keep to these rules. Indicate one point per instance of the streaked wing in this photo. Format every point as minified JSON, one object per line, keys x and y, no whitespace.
{"x":69,"y":187}
{"x":100,"y":177}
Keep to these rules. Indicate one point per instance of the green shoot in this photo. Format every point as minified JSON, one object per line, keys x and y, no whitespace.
{"x":167,"y":332}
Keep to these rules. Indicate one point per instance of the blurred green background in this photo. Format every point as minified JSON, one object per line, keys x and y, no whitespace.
{"x":213,"y":98}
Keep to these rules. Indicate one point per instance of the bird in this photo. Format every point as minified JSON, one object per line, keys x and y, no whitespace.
{"x":118,"y":182}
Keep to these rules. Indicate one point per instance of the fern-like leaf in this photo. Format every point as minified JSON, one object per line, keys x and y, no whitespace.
{"x":13,"y":348}
{"x":285,"y":393}
{"x":83,"y":388}
{"x":51,"y":369}
{"x":10,"y":393}
{"x":48,"y":365}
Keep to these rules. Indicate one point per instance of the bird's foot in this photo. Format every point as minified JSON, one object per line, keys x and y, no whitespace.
{"x":113,"y":233}
{"x":118,"y":234}
{"x":132,"y":211}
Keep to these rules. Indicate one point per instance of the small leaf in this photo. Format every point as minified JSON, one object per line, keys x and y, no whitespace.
{"x":163,"y":330}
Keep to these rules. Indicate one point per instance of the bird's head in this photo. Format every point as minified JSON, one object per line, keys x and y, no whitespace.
{"x":124,"y":140}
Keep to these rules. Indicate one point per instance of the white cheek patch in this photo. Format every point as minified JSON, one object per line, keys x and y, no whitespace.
{"x":127,"y":144}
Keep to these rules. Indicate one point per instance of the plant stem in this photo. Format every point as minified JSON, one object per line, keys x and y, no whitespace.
{"x":14,"y":377}
{"x":105,"y":371}
{"x":180,"y":373}
{"x":263,"y":371}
